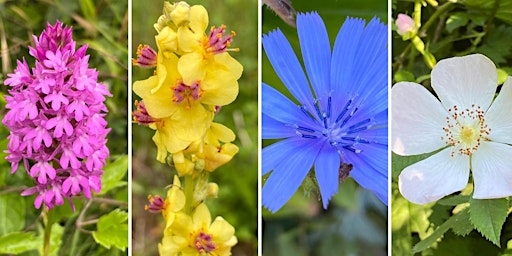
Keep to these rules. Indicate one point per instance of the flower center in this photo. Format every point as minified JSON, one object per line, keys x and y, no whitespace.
{"x":217,"y":42}
{"x":185,"y":92}
{"x":204,"y":243}
{"x":341,"y":130}
{"x":465,"y":129}
{"x":156,"y":204}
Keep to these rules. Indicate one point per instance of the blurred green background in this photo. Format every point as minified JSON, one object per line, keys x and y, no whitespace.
{"x":356,"y":221}
{"x":237,"y":198}
{"x":102,"y":24}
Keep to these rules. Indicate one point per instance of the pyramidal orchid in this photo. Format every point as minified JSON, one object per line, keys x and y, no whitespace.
{"x":56,"y":119}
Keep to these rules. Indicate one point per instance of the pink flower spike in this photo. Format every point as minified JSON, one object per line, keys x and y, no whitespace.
{"x":56,"y":118}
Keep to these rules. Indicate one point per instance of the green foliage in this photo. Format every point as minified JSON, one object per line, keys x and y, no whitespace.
{"x":18,"y":242}
{"x":457,"y":224}
{"x":112,"y":230}
{"x":488,"y":216}
{"x":114,"y":172}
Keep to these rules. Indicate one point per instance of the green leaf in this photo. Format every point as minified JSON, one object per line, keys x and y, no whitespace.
{"x":113,"y":174}
{"x":15,"y":243}
{"x":456,"y":20}
{"x":454,"y":200}
{"x":12,"y":213}
{"x":112,"y":230}
{"x":462,"y":226}
{"x":488,"y":216}
{"x":437,"y":234}
{"x":404,"y":76}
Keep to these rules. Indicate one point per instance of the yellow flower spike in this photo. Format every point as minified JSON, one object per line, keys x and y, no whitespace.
{"x":215,"y":157}
{"x":197,"y":235}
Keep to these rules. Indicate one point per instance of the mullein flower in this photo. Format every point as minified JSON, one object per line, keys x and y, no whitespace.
{"x":56,"y":119}
{"x":205,"y":53}
{"x":207,"y":153}
{"x":198,"y":235}
{"x":344,"y":118}
{"x":471,"y":131}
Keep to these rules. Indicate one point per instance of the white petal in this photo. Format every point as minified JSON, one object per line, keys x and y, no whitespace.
{"x":463,"y":81}
{"x":417,"y":120}
{"x":498,"y":117}
{"x":435,"y":177}
{"x":492,"y":170}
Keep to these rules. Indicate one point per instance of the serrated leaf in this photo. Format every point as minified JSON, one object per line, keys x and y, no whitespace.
{"x":437,"y":234}
{"x":15,"y":243}
{"x":462,"y":225}
{"x":454,"y":200}
{"x":488,"y":216}
{"x":113,"y":174}
{"x":456,"y":20}
{"x":112,"y":230}
{"x":12,"y":213}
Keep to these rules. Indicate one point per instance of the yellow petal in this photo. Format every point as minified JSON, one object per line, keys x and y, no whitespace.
{"x":167,"y":40}
{"x":192,"y":67}
{"x":201,"y":217}
{"x":191,"y":123}
{"x":219,"y":89}
{"x":221,"y":230}
{"x":234,"y":67}
{"x":198,"y":18}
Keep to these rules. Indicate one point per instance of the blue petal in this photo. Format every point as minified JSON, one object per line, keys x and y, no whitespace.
{"x":273,"y":155}
{"x":368,"y":177}
{"x":316,"y":52}
{"x":375,"y":156}
{"x":277,"y":106}
{"x":359,"y":61}
{"x":327,"y":167}
{"x":344,"y":53}
{"x":272,"y":129}
{"x":289,"y":174}
{"x":287,"y":66}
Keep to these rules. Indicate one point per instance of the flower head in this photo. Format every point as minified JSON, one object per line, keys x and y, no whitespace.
{"x":197,"y":235}
{"x":56,"y":119}
{"x":470,"y":132}
{"x":342,"y":119}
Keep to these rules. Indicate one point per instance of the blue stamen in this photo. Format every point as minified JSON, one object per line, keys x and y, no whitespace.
{"x":347,"y":107}
{"x":360,"y":123}
{"x":348,"y":117}
{"x":304,"y":129}
{"x":358,"y":129}
{"x":318,"y":111}
{"x":329,"y":107}
{"x":306,"y":112}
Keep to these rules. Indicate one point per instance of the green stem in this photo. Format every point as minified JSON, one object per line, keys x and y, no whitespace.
{"x":48,"y":223}
{"x":442,"y":9}
{"x":189,"y":193}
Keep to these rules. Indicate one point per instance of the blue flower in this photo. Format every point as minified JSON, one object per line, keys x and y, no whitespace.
{"x":342,"y":116}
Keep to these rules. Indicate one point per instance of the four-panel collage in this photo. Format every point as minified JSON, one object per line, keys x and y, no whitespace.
{"x":245,"y":127}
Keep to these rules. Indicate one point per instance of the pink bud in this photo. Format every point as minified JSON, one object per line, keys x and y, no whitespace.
{"x":405,"y":24}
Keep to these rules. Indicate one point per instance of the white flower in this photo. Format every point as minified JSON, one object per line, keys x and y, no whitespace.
{"x":473,"y":133}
